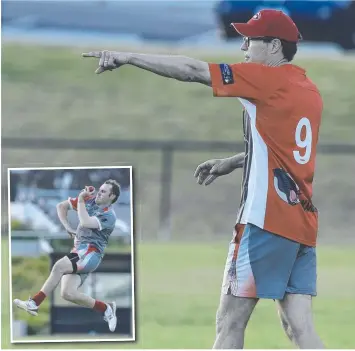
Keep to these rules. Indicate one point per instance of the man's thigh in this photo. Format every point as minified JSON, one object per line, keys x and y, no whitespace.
{"x":297,"y":310}
{"x":234,"y":310}
{"x":260,"y":265}
{"x":64,"y":265}
{"x":70,"y":282}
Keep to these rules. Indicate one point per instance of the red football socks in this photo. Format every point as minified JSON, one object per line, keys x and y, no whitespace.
{"x":100,"y":306}
{"x":39,"y":297}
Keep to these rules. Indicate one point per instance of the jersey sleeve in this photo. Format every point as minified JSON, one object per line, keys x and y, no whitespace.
{"x":106,"y":220}
{"x":249,"y":81}
{"x":73,"y":202}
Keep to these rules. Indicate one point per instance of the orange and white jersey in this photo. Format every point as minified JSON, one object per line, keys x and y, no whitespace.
{"x":281,"y":120}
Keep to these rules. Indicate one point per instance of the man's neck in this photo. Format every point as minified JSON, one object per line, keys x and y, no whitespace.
{"x":277,"y":62}
{"x":102,"y":206}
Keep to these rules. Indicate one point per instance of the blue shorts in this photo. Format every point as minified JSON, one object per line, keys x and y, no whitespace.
{"x":85,"y":259}
{"x":265,"y":265}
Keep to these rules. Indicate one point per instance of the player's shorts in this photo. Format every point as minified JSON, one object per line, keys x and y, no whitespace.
{"x":265,"y":265}
{"x":85,"y":259}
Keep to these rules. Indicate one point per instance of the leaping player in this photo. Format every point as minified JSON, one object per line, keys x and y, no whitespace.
{"x":96,"y":223}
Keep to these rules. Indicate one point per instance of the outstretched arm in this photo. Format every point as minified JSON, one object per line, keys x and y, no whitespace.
{"x":181,"y":68}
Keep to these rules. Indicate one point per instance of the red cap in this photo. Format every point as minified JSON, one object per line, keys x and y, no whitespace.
{"x":269,"y":23}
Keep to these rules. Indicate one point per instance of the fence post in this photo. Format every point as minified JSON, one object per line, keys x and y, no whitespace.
{"x":165,"y":193}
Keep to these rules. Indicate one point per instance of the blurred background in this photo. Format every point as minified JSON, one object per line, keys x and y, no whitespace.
{"x":57,"y":112}
{"x":35,"y":194}
{"x":181,"y":22}
{"x":38,"y":240}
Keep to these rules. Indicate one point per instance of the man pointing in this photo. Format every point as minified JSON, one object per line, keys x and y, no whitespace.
{"x":272,"y":254}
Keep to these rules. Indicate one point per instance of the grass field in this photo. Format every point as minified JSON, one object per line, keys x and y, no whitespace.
{"x":177,"y":300}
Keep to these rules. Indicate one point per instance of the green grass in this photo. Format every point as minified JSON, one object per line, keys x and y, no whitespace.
{"x":54,"y":92}
{"x":57,"y":87}
{"x":178,"y":291}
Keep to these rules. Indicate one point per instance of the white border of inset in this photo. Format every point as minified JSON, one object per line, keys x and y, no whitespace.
{"x":12,"y":341}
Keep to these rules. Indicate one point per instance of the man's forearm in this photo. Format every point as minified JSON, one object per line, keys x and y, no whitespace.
{"x":83,"y":215}
{"x":181,"y":68}
{"x":237,"y":161}
{"x":62,"y":212}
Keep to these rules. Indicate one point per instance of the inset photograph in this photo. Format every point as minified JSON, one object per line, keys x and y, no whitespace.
{"x":71,"y":254}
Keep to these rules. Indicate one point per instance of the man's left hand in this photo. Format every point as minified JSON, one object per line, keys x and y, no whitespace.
{"x":87,"y":191}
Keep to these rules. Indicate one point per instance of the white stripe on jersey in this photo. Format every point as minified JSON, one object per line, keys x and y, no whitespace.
{"x":255,"y":204}
{"x":99,"y":223}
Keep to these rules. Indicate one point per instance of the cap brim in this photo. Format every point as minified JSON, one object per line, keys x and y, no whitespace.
{"x":245,"y":29}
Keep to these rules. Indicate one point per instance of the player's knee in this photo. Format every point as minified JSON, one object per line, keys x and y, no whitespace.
{"x":233,"y":314}
{"x":297,"y":327}
{"x":229,"y":323}
{"x":68,"y":295}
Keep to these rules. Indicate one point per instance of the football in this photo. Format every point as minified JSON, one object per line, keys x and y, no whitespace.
{"x":91,"y":189}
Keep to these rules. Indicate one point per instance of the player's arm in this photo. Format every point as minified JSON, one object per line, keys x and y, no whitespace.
{"x":210,"y":170}
{"x":62,"y":211}
{"x":236,"y":161}
{"x":250,"y":81}
{"x":182,"y":68}
{"x":84,"y":218}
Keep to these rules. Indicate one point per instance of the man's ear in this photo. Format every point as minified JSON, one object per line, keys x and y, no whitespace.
{"x":112,"y":197}
{"x":276,"y":46}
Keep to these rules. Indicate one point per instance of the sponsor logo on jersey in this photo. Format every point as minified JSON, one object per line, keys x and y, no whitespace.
{"x":227,"y":74}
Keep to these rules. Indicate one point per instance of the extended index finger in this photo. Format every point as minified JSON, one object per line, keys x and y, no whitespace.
{"x":198,"y":170}
{"x":92,"y":54}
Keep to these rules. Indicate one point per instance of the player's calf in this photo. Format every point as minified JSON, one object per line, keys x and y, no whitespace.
{"x":297,"y":310}
{"x":61,"y":267}
{"x":70,"y":292}
{"x":68,"y":296}
{"x":232,"y":318}
{"x":286,"y":327}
